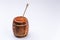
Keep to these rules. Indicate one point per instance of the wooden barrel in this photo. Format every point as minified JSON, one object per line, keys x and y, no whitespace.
{"x":20,"y":26}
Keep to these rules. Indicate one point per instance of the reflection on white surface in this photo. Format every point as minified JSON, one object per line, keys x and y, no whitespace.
{"x":43,"y":16}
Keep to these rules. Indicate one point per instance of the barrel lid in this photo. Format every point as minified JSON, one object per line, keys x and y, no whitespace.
{"x":20,"y":19}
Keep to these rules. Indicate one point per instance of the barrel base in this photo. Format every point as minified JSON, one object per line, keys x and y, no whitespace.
{"x":21,"y":36}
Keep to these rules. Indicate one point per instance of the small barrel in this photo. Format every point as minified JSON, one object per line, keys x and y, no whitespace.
{"x":20,"y":26}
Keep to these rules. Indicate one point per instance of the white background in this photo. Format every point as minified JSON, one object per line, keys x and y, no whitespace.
{"x":43,"y":17}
